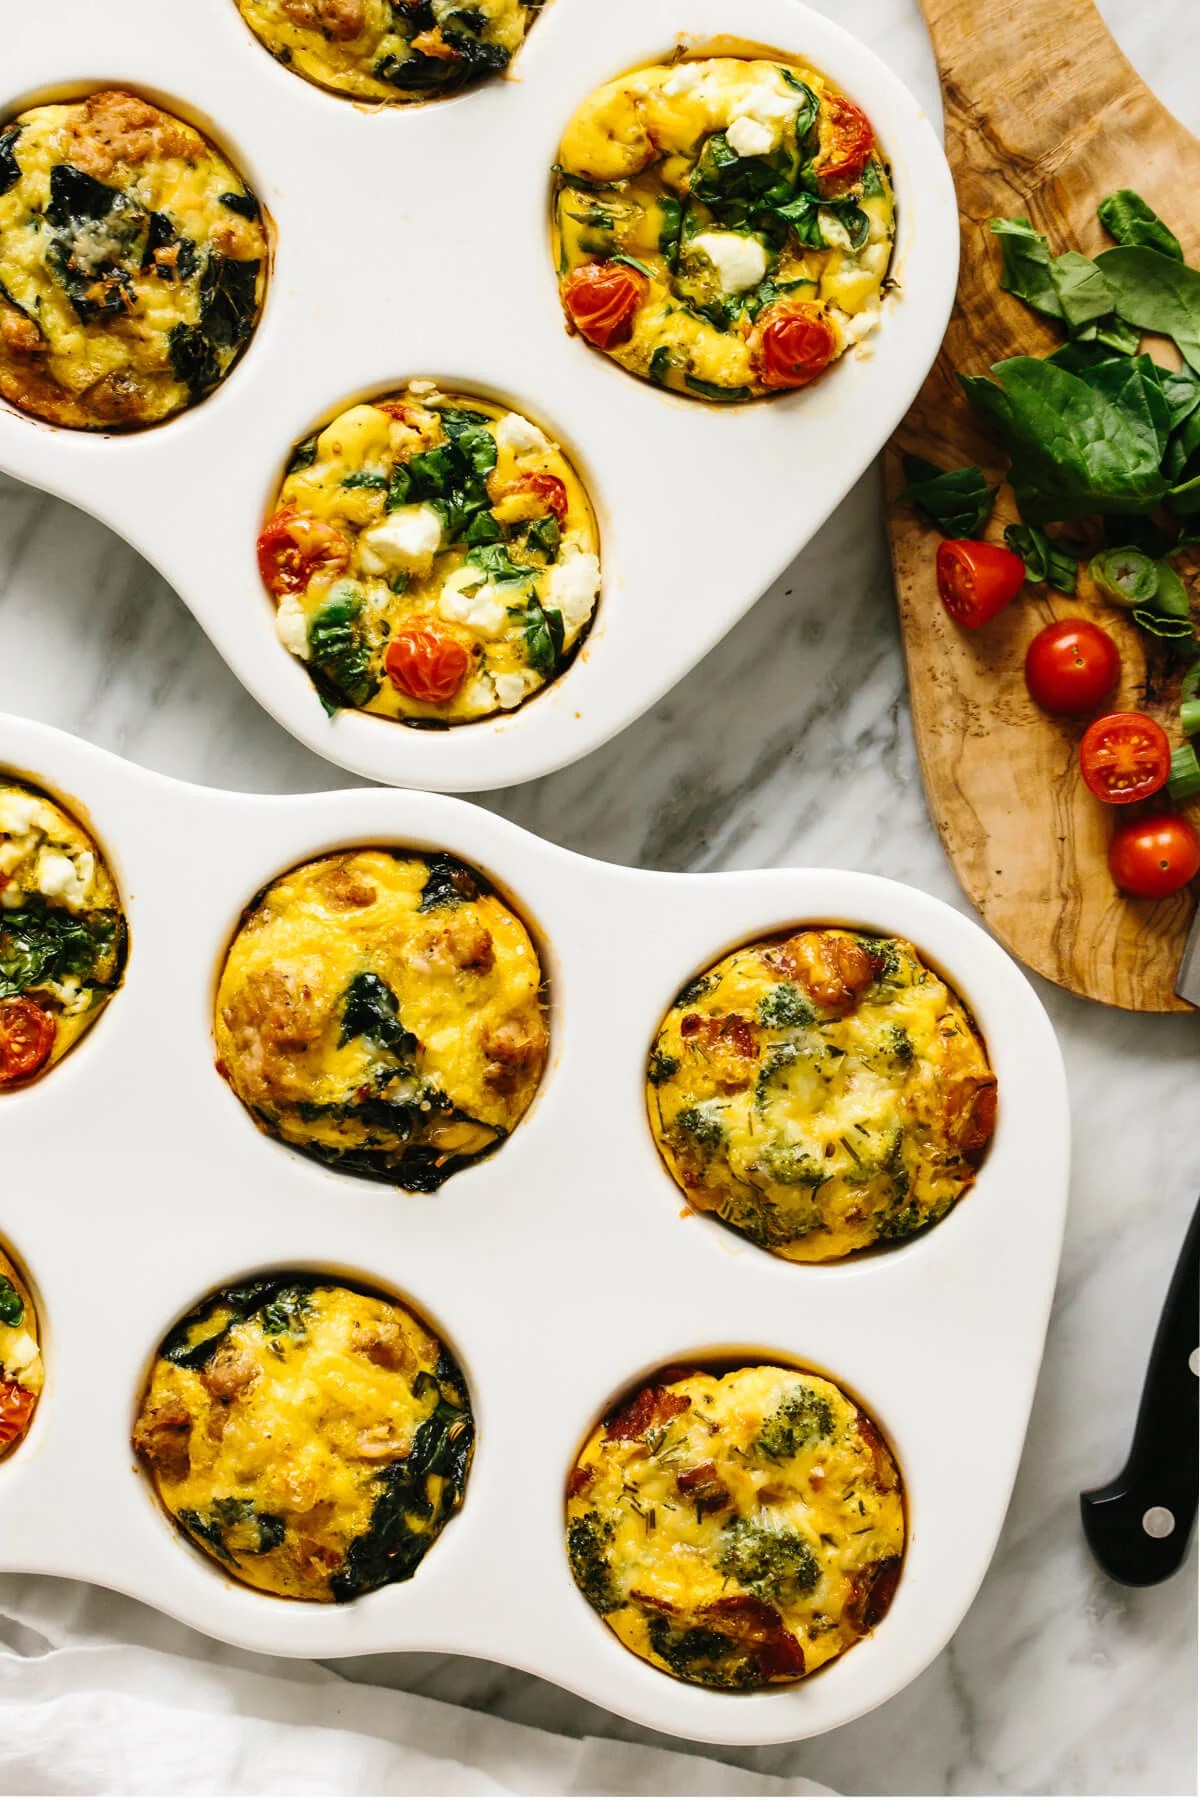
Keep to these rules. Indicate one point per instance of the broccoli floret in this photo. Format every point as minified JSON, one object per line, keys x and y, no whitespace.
{"x":898,"y":1045}
{"x":696,"y":1653}
{"x":786,"y":1005}
{"x":661,"y":1067}
{"x":793,"y":1166}
{"x":802,"y":1417}
{"x":701,"y":1124}
{"x":588,"y":1538}
{"x":694,"y":990}
{"x":770,"y":1561}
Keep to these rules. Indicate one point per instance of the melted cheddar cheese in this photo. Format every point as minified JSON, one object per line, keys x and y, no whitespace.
{"x":133,"y":263}
{"x":312,"y":1439}
{"x":821,"y":1093}
{"x":737,"y":1530}
{"x":725,"y":207}
{"x":383,"y":1011}
{"x":21,"y":1372}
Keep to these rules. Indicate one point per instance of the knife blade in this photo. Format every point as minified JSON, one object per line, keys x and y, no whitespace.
{"x":1187,"y":984}
{"x":1138,"y":1527}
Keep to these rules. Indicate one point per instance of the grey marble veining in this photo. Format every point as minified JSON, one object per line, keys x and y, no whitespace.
{"x":790,"y":744}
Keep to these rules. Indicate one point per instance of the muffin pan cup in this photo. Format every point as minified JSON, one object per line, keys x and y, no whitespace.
{"x":416,"y":242}
{"x":560,"y":1270}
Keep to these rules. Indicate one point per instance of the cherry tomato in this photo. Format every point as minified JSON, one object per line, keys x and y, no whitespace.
{"x":546,"y":492}
{"x":427,"y":663}
{"x":26,"y":1039}
{"x":847,"y":139}
{"x":293,"y":547}
{"x":976,"y":581}
{"x":602,"y":299}
{"x":1125,"y":757}
{"x":1155,"y":856}
{"x":1071,"y":667}
{"x":16,"y":1410}
{"x":793,"y":342}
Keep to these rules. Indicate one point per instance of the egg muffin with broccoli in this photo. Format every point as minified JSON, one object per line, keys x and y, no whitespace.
{"x":821,"y":1093}
{"x":133,"y":263}
{"x":311,"y":1438}
{"x":384,"y":1012}
{"x":723,"y":226}
{"x":21,"y":1372}
{"x":740,"y":1529}
{"x":433,"y":558}
{"x":392,"y":50}
{"x":62,"y":932}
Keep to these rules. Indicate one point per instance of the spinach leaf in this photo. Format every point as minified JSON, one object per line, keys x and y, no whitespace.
{"x":543,"y":633}
{"x":162,"y":235}
{"x":237,"y":1303}
{"x":228,"y":300}
{"x":497,"y":564}
{"x":1156,"y":293}
{"x":243,"y":203}
{"x":370,"y":1010}
{"x":1126,"y":217}
{"x":1043,"y":559}
{"x":660,"y":365}
{"x":230,"y":1518}
{"x":711,"y":391}
{"x":12,"y":1307}
{"x":1083,"y":294}
{"x":339,"y":655}
{"x":449,"y":883}
{"x":958,"y":501}
{"x":361,"y":478}
{"x":1026,"y":270}
{"x":544,"y":537}
{"x":669,"y":230}
{"x":40,"y":944}
{"x":193,"y":360}
{"x":10,"y":168}
{"x":286,"y":1314}
{"x":304,"y":455}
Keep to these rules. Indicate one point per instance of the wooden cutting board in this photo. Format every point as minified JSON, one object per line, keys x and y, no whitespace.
{"x":1044,"y":116}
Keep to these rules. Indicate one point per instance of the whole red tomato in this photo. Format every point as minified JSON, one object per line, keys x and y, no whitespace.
{"x":1071,"y":667}
{"x":1155,"y":856}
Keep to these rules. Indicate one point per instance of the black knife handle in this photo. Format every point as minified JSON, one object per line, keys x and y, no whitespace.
{"x":1139,"y":1526}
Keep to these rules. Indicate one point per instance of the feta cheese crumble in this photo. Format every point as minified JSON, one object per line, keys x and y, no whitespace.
{"x":407,"y":539}
{"x":291,"y":626}
{"x":740,"y":262}
{"x":520,"y":436}
{"x":572,"y":586}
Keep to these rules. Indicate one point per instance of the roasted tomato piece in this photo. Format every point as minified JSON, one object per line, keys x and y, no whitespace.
{"x":293,"y":547}
{"x":602,"y":299}
{"x":427,"y":663}
{"x":976,"y":581}
{"x":542,"y":494}
{"x":1125,"y":757}
{"x":847,"y":139}
{"x":792,"y":342}
{"x":27,"y":1033}
{"x":16,"y":1410}
{"x":1154,"y":857}
{"x":652,"y":1406}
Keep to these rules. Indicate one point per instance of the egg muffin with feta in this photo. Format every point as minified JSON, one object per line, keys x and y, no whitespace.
{"x":392,"y":50}
{"x":62,"y":932}
{"x":433,"y":558}
{"x":312,"y":1438}
{"x":723,"y":226}
{"x":737,"y":1529}
{"x":385,"y":1012}
{"x":133,"y":263}
{"x":821,"y":1093}
{"x":21,"y":1372}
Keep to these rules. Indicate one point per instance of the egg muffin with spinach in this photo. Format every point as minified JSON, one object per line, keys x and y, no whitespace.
{"x":383,"y":1011}
{"x":133,"y":263}
{"x":62,"y":932}
{"x":311,"y":1438}
{"x":723,"y":226}
{"x":738,"y":1529}
{"x":21,"y":1371}
{"x":392,"y":50}
{"x":433,"y":558}
{"x":821,"y":1093}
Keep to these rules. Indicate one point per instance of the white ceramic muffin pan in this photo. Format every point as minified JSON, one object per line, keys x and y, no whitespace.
{"x":415,"y":242}
{"x":560,"y":1270}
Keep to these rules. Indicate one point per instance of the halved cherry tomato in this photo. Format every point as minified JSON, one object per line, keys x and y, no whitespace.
{"x":1071,"y":667}
{"x":26,"y":1039}
{"x":602,"y":299}
{"x":16,"y":1410}
{"x":1125,"y":757}
{"x":847,"y":139}
{"x":976,"y":581}
{"x":293,"y":546}
{"x":1154,"y":857}
{"x":547,"y":491}
{"x":427,"y":663}
{"x":792,"y":343}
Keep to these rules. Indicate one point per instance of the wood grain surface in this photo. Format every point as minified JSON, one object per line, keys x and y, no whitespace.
{"x":1044,"y":117}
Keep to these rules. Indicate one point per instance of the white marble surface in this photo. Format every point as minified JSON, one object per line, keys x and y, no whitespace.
{"x":790,"y":744}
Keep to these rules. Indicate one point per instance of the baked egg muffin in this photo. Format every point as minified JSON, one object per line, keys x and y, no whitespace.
{"x":311,"y":1438}
{"x":62,"y":932}
{"x":433,"y":558}
{"x":21,"y":1371}
{"x":385,"y":1012}
{"x":723,"y":226}
{"x":391,"y":50}
{"x":133,"y":262}
{"x":737,"y":1529}
{"x":821,"y":1092}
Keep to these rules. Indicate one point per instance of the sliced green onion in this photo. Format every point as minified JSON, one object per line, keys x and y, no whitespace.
{"x":1161,"y":625}
{"x":1191,"y":683}
{"x":1189,"y":718}
{"x":1183,"y":783}
{"x":1170,"y":596}
{"x":1126,"y":576}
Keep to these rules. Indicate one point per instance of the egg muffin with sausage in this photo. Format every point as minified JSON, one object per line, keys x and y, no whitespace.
{"x":737,"y":1529}
{"x":392,"y":50}
{"x":722,"y":227}
{"x":311,"y":1438}
{"x":133,"y":262}
{"x":385,"y":1012}
{"x":62,"y":932}
{"x":821,"y":1093}
{"x":433,"y":558}
{"x":21,"y":1371}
